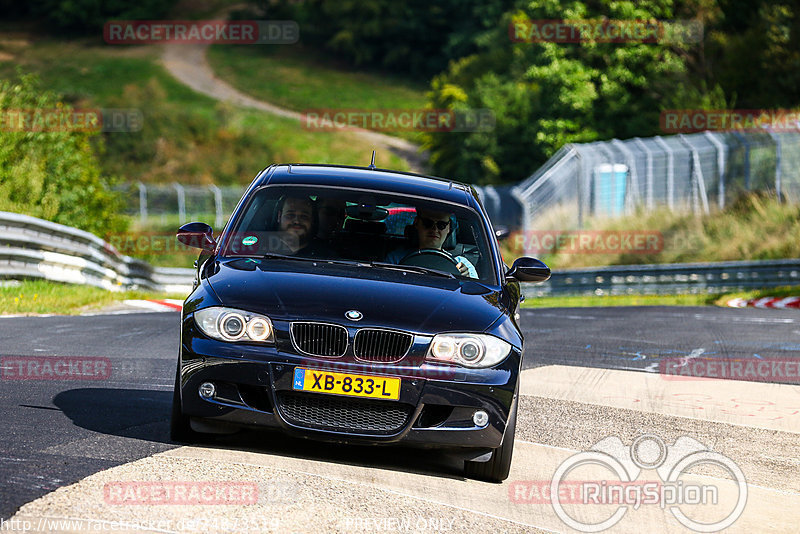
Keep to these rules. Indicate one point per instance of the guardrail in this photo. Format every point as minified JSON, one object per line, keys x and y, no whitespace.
{"x":669,"y":279}
{"x":35,"y":248}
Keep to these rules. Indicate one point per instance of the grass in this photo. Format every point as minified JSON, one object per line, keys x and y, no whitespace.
{"x":186,"y":137}
{"x":39,"y":296}
{"x":620,"y":300}
{"x":755,"y":226}
{"x":300,"y":79}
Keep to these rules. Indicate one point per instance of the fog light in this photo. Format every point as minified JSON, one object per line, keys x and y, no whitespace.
{"x":207,"y":390}
{"x":480,"y":418}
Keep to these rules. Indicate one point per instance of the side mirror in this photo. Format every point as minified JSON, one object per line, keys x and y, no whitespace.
{"x":502,"y":232}
{"x":198,"y":235}
{"x":528,"y":270}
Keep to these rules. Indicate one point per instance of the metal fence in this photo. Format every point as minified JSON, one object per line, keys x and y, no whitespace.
{"x":161,"y":204}
{"x":182,"y":203}
{"x":693,"y":172}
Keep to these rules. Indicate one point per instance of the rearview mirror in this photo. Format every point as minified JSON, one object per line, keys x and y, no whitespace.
{"x":198,"y":235}
{"x":528,"y":270}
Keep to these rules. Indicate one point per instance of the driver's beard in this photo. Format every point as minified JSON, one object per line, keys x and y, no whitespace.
{"x":296,"y":241}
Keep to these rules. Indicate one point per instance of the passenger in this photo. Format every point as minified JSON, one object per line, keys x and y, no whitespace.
{"x":297,"y":219}
{"x":432,"y":228}
{"x":331,"y":215}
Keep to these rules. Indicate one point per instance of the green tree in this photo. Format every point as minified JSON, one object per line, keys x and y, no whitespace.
{"x":53,"y":174}
{"x":417,"y":37}
{"x":89,"y":16}
{"x":545,"y":95}
{"x":755,"y":50}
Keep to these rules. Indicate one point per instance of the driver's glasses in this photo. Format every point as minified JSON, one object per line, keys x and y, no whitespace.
{"x":428,"y":223}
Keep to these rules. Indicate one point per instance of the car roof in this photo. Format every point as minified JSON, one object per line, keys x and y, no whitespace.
{"x":383,"y":180}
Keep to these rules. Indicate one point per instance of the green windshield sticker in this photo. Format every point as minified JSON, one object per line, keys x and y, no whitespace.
{"x":250,"y":240}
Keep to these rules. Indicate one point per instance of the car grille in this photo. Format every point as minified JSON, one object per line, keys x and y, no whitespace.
{"x":341,"y":414}
{"x":320,"y":339}
{"x":383,"y":346}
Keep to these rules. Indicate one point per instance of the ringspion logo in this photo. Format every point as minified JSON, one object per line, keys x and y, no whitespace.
{"x":686,"y":499}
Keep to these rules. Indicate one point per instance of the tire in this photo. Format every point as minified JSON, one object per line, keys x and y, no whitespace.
{"x":499,"y":465}
{"x":180,"y":429}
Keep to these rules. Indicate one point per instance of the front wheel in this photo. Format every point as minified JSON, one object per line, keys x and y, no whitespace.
{"x":180,"y":430}
{"x":499,"y":465}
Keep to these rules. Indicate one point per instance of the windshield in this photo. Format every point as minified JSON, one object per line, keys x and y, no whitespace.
{"x":380,"y":230}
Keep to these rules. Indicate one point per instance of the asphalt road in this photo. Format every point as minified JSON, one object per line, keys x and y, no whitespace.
{"x":57,"y":432}
{"x":60,"y":431}
{"x":641,"y":338}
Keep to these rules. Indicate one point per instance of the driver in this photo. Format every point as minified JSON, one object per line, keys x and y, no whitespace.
{"x":432,"y":228}
{"x":296,"y":218}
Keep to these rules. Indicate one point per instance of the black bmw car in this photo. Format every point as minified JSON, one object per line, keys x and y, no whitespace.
{"x":355,"y":305}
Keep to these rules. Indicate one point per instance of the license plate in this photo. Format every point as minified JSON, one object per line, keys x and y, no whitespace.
{"x":373,"y":387}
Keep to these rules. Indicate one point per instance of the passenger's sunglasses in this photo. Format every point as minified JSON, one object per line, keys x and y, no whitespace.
{"x":428,"y":223}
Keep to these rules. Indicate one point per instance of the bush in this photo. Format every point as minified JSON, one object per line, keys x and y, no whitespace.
{"x":53,"y":175}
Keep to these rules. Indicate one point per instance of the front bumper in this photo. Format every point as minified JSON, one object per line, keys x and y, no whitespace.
{"x":254,"y":389}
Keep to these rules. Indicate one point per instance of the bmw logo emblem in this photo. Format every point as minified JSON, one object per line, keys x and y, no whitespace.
{"x":354,"y":315}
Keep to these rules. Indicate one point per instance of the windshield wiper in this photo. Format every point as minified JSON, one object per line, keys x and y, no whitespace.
{"x":276,"y":256}
{"x":412,"y":269}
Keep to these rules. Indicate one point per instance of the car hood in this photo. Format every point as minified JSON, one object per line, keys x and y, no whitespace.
{"x":291,"y":290}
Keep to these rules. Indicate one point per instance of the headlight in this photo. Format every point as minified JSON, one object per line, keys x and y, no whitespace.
{"x":468,"y":350}
{"x":227,"y":324}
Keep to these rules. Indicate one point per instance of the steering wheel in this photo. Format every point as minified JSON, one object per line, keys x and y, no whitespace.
{"x":432,"y":258}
